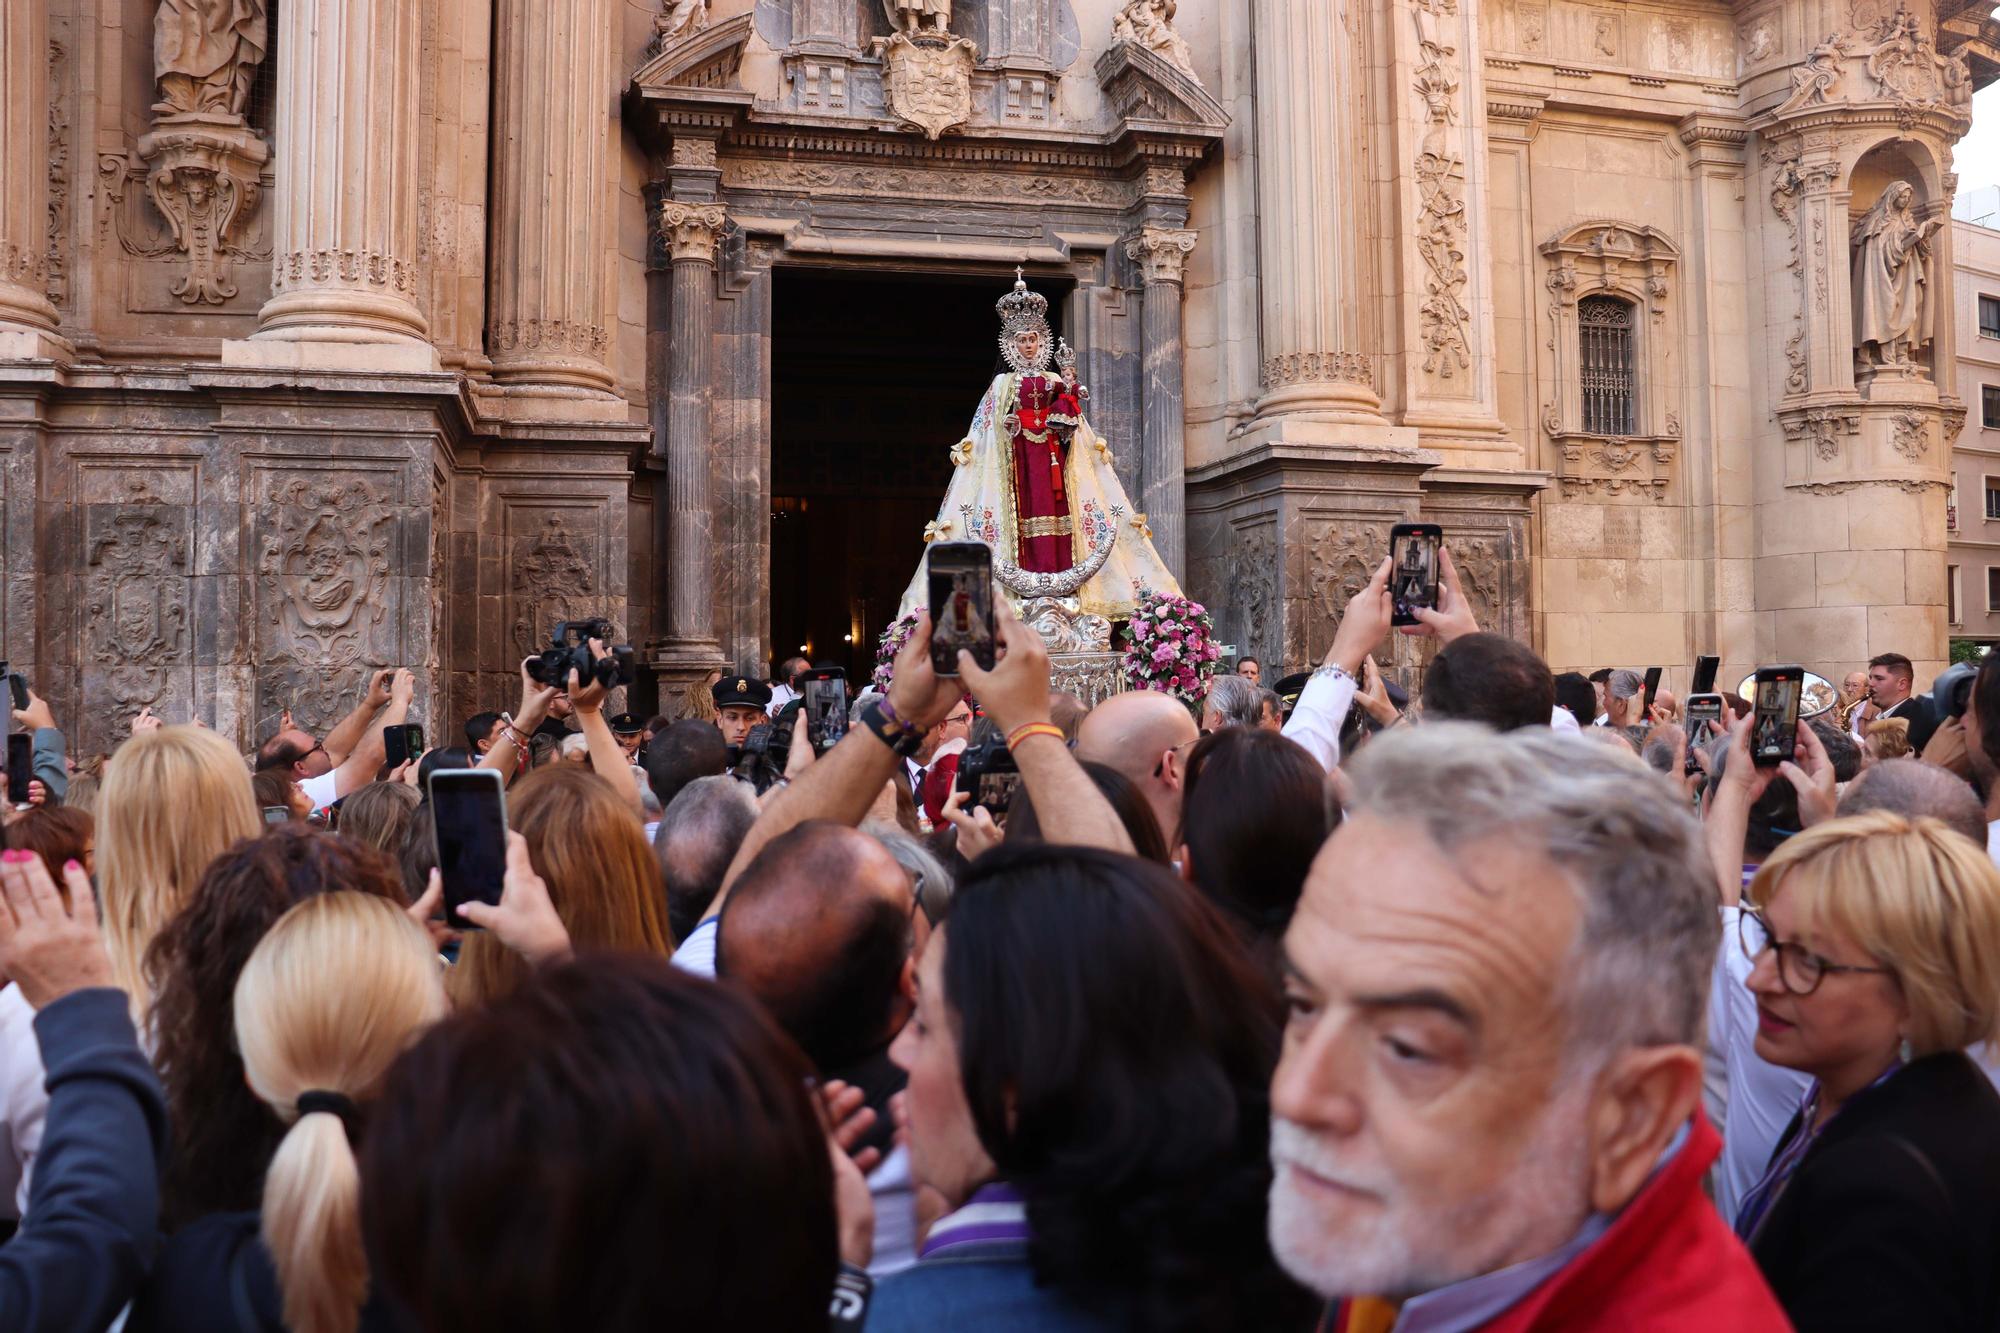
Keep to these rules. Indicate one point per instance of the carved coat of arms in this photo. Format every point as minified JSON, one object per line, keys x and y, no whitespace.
{"x":927,"y":79}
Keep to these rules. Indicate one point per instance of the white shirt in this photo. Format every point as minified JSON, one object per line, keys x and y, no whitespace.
{"x":895,"y":1214}
{"x":1762,"y":1097}
{"x":697,"y":951}
{"x":1601,"y":720}
{"x":1564,"y":721}
{"x":1993,"y":840}
{"x":24,"y":1100}
{"x":780,"y":696}
{"x":1320,"y":713}
{"x":322,"y":791}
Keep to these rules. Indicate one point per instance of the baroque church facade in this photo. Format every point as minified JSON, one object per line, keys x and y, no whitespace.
{"x":346,"y":333}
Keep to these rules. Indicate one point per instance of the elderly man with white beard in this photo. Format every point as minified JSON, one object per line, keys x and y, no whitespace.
{"x":1487,"y":1111}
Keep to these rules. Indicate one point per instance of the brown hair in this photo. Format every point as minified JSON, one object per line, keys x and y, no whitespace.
{"x":223,"y":1137}
{"x":379,"y":815}
{"x":591,"y":850}
{"x":56,"y":833}
{"x":273,"y":787}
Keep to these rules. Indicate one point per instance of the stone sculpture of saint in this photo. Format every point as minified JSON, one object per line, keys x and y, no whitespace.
{"x":205,"y":55}
{"x":1150,"y":23}
{"x":909,"y":15}
{"x":1891,"y":282}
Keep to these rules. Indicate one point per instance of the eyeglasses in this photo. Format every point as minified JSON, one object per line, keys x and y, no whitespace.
{"x":1160,"y":769}
{"x":1799,"y":969}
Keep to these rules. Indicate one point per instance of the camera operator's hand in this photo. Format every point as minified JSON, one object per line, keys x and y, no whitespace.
{"x":46,"y":948}
{"x":1015,"y":692}
{"x":977,"y":833}
{"x":588,"y":697}
{"x":1453,"y":618}
{"x":919,"y":696}
{"x":524,"y":919}
{"x":380,"y":686}
{"x":535,"y":700}
{"x":36,"y":715}
{"x":1364,"y":623}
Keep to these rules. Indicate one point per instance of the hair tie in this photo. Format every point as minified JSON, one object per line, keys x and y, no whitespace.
{"x":337,"y":1104}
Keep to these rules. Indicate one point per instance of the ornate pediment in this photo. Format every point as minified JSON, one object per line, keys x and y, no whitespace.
{"x":708,"y":58}
{"x":1142,"y":85}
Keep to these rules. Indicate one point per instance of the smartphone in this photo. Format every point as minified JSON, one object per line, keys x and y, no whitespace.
{"x":18,"y":685}
{"x":1701,"y":709}
{"x":825,"y":692}
{"x":1704,"y":675}
{"x":1413,"y":570}
{"x":20,"y":767}
{"x":1652,"y":689}
{"x":1774,"y":714}
{"x":961,"y":585}
{"x":277,"y":814}
{"x":402,"y":744}
{"x":988,"y":775}
{"x":469,"y":817}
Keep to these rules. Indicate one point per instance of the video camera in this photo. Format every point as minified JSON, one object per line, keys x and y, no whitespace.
{"x":760,"y":760}
{"x":569,"y":650}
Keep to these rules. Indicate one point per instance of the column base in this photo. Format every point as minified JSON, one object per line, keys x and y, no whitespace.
{"x":679,"y":661}
{"x":551,"y":402}
{"x":300,"y":352}
{"x":19,"y":344}
{"x":1348,"y":401}
{"x":1312,"y":431}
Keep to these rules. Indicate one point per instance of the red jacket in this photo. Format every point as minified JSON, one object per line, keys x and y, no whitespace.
{"x":1668,"y":1264}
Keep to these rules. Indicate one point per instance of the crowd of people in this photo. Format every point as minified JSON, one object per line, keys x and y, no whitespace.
{"x":1508,"y":1003}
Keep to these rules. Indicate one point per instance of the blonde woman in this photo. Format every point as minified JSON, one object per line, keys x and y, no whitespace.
{"x":175,"y":799}
{"x":1888,"y":739}
{"x":341,"y":986}
{"x":1876,"y":947}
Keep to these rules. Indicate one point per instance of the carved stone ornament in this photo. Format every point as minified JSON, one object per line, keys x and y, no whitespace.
{"x":1820,"y":72}
{"x":553,"y":580}
{"x":678,"y":19}
{"x":1637,"y":265}
{"x":1443,"y":317}
{"x":1253,"y":566}
{"x":1900,"y":64}
{"x":1341,"y":559}
{"x":323,"y":568}
{"x":908,"y":16}
{"x":135,"y":593}
{"x":691,"y":230}
{"x":1911,"y":436}
{"x":1319,"y":368}
{"x":1161,"y":253}
{"x":1065,"y":626}
{"x":1150,"y":23}
{"x":927,"y":79}
{"x":205,"y":56}
{"x":1822,"y":427}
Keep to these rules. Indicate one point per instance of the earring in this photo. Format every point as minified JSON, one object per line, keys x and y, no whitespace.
{"x":1907,"y":1053}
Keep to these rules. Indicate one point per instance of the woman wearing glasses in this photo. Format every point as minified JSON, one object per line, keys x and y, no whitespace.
{"x":1874,"y":952}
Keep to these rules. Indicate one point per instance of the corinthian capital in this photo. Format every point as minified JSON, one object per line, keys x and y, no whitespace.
{"x":1161,"y":252}
{"x":691,"y":230}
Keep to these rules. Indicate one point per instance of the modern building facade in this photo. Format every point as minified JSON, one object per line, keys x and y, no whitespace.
{"x":341,"y":333}
{"x":1973,"y":595}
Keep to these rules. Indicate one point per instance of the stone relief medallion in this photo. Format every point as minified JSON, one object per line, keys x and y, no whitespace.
{"x":136,"y":627}
{"x":1253,"y":569}
{"x":324,"y":575}
{"x":927,"y":79}
{"x":1343,"y":558}
{"x":554,"y":580}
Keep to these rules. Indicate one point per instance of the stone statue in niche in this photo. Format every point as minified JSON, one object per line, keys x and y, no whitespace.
{"x":909,"y":15}
{"x":1892,"y":307}
{"x":205,"y":55}
{"x":1813,"y":80}
{"x":1150,"y":23}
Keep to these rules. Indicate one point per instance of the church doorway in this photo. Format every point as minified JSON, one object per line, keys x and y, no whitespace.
{"x":874,"y":376}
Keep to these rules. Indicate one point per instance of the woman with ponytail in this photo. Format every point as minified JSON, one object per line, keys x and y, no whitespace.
{"x":338,"y":989}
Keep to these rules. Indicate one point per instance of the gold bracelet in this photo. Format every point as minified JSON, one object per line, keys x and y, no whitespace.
{"x":1022,"y":733}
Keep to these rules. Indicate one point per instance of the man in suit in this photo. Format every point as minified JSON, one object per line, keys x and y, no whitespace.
{"x":1890,"y":680}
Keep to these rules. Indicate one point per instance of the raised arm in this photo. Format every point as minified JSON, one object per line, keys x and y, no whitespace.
{"x":1015,"y":694}
{"x":347,"y":733}
{"x":607,"y":758}
{"x":510,"y":740}
{"x":1728,"y":822}
{"x":359,"y":768}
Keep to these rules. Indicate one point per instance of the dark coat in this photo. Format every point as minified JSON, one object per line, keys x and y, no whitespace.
{"x":215,"y":1276}
{"x":1892,"y":1220}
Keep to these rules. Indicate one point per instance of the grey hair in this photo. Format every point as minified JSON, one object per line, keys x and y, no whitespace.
{"x":929,"y":879}
{"x":1914,"y":789}
{"x":700,"y":832}
{"x":1624,"y":684}
{"x":1236,"y":700}
{"x":1639,"y":969}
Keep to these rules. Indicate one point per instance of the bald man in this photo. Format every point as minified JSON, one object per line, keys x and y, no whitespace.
{"x":1146,"y":736}
{"x":822,"y":928}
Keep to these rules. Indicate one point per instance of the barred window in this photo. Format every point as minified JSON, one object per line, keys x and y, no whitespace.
{"x":1604,"y":328}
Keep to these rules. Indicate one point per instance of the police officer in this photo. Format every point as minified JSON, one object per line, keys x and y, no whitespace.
{"x":740,"y":702}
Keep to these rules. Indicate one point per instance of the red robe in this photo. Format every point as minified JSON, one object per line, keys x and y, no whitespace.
{"x":1048,"y":411}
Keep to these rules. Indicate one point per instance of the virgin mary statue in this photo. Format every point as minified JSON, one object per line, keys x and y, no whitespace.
{"x":1033,"y":481}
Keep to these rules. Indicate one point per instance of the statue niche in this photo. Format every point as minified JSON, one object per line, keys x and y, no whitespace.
{"x":1891,"y":284}
{"x":205,"y":56}
{"x":908,"y":16}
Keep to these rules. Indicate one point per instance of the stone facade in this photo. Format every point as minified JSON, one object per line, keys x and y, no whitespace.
{"x":1973,"y":574}
{"x":419,"y":324}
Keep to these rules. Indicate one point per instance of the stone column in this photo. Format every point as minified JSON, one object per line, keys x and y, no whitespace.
{"x":551,"y":79}
{"x":1161,"y":253}
{"x":1310,"y":201}
{"x":27,"y":319}
{"x":344,"y":278}
{"x":692,"y":232}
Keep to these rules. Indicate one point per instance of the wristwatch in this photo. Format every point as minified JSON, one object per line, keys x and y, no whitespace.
{"x":900,"y":737}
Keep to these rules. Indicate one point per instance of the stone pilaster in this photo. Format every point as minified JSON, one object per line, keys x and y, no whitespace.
{"x":691,"y":232}
{"x":27,"y":318}
{"x":1310,"y":196}
{"x":1161,"y":253}
{"x":547,"y":303}
{"x":344,"y":273}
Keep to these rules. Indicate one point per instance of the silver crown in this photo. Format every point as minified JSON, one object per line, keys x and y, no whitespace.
{"x":1021,"y":308}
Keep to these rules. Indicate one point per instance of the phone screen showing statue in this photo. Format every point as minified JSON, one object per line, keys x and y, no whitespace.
{"x":1774,"y":726}
{"x":471,"y":839}
{"x":996,"y":790}
{"x":20,"y":766}
{"x":1413,"y":573}
{"x":826,"y":711}
{"x":961,"y":585}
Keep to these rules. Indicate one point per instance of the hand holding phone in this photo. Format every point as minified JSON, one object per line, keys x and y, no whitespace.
{"x":20,"y":768}
{"x":825,"y":707}
{"x":1774,"y":715}
{"x":469,"y":818}
{"x":1413,"y":570}
{"x":961,"y":601}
